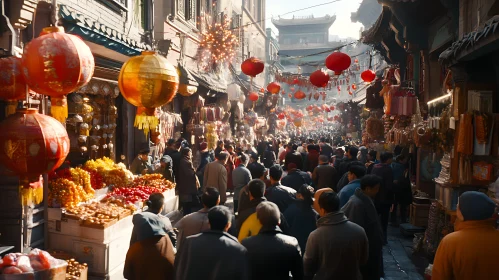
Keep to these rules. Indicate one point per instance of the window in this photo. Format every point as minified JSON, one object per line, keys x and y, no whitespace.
{"x":145,"y":17}
{"x":190,"y":10}
{"x":115,"y":5}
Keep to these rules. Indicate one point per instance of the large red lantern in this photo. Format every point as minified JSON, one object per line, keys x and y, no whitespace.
{"x":368,"y":76}
{"x":32,"y":144}
{"x":281,"y":116}
{"x":319,"y":78}
{"x":338,"y":62}
{"x":274,"y":87}
{"x":300,"y":94}
{"x":12,"y":83}
{"x":252,"y":66}
{"x":253,"y":96}
{"x":57,"y":63}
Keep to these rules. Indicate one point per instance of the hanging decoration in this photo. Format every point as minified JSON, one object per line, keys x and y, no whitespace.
{"x":218,"y":44}
{"x":253,"y":96}
{"x":33,"y":144}
{"x":12,"y":84}
{"x":319,"y":78}
{"x":338,"y":62}
{"x":262,"y":90}
{"x":252,"y":66}
{"x":148,"y":81}
{"x":354,"y":86}
{"x":300,"y":95}
{"x":368,"y":76}
{"x":274,"y":87}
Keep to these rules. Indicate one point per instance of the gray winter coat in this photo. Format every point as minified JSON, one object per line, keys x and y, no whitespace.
{"x":336,"y":249}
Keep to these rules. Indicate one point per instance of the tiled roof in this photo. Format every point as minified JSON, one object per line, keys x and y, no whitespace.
{"x":382,"y":25}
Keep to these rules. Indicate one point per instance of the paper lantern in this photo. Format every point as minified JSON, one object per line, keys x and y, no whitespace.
{"x":331,"y":107}
{"x":319,"y":78}
{"x":32,"y":144}
{"x":253,"y":96}
{"x":296,"y":81}
{"x":274,"y":87}
{"x":300,"y":94}
{"x":12,"y":84}
{"x":368,"y":76}
{"x":187,"y":83}
{"x":281,"y":116}
{"x":338,"y":62}
{"x":354,"y":86}
{"x":57,"y":63}
{"x":252,"y":66}
{"x":290,"y":95}
{"x":148,"y":81}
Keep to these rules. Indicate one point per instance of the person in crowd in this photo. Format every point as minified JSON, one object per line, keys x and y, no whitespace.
{"x":152,"y":255}
{"x":344,"y":179}
{"x":292,"y":156}
{"x":261,"y":148}
{"x":402,"y":189}
{"x":296,"y":178}
{"x":220,"y":148}
{"x":272,"y":255}
{"x":230,"y":166}
{"x":281,"y":195}
{"x":250,"y":149}
{"x":166,"y":168}
{"x":371,"y":160}
{"x":269,"y":157}
{"x":312,"y":160}
{"x":215,"y":175}
{"x":173,"y":150}
{"x":324,"y":175}
{"x":362,"y":156}
{"x":141,"y":165}
{"x":282,"y":152}
{"x":244,"y":202}
{"x":254,"y":164}
{"x":472,"y":250}
{"x":197,"y":222}
{"x":326,"y":149}
{"x":213,"y":254}
{"x":338,"y":158}
{"x":241,"y":176}
{"x":351,"y":156}
{"x":205,"y":158}
{"x":384,"y":198}
{"x":360,"y":210}
{"x":355,"y":173}
{"x":338,"y":247}
{"x":301,"y":216}
{"x":187,"y":183}
{"x":247,"y":222}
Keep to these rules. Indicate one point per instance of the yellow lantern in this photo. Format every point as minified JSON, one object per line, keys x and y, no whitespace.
{"x":148,"y":81}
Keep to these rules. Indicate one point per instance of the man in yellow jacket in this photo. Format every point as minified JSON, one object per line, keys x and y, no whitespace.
{"x":472,"y":251}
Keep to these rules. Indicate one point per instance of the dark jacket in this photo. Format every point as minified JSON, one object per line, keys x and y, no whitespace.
{"x":302,"y":220}
{"x":348,"y":191}
{"x":343,"y":181}
{"x":293,"y":157}
{"x":327,"y":150}
{"x":167,"y":171}
{"x":385,"y":194}
{"x":336,"y":249}
{"x":186,"y":178}
{"x":295,"y":179}
{"x":345,"y":165}
{"x":211,"y":255}
{"x":360,"y":210}
{"x":176,"y":157}
{"x":269,"y":158}
{"x":272,"y":255}
{"x":205,"y":159}
{"x":243,"y":215}
{"x":312,"y":160}
{"x":325,"y":176}
{"x":281,"y":195}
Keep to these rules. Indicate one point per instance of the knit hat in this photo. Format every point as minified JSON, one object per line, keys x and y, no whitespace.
{"x":476,"y":206}
{"x":148,"y":225}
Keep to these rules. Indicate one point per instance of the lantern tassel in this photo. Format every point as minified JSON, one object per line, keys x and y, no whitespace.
{"x":31,"y":190}
{"x":59,"y":109}
{"x":145,"y":119}
{"x":10,"y":108}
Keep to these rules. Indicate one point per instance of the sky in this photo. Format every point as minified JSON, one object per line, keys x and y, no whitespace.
{"x":342,"y":27}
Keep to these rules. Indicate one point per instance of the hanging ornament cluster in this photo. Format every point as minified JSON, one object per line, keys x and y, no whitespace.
{"x":12,"y":84}
{"x":148,"y":81}
{"x":218,"y":44}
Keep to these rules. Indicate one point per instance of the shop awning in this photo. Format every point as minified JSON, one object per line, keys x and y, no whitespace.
{"x":360,"y":96}
{"x":186,"y":77}
{"x":211,"y":81}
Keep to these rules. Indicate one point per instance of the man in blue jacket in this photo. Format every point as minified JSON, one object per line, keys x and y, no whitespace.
{"x":355,"y":173}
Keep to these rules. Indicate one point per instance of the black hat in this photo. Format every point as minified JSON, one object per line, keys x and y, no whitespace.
{"x":144,"y":151}
{"x":170,"y":142}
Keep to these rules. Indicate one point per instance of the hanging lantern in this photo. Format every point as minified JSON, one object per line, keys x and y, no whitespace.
{"x":274,"y":87}
{"x":338,"y":62}
{"x":281,"y":116}
{"x":187,"y":83}
{"x":252,"y":66}
{"x":262,"y":90}
{"x":57,"y":63}
{"x":319,"y":78}
{"x":368,"y":76}
{"x":331,"y":107}
{"x":354,"y":86}
{"x":298,"y":122}
{"x":148,"y":81}
{"x":283,"y":92}
{"x":300,"y":94}
{"x":310,"y":108}
{"x":253,"y":96}
{"x":296,"y":81}
{"x":12,"y":84}
{"x":33,"y":144}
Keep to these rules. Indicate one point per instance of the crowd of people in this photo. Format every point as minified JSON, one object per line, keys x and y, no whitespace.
{"x":302,"y":210}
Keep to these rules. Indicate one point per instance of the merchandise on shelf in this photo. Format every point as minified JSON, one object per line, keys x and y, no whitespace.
{"x":99,"y":214}
{"x":37,"y":260}
{"x":66,"y":193}
{"x":112,"y":173}
{"x":140,"y":189}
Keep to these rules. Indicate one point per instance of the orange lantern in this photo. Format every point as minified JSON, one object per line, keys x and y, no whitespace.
{"x":148,"y":81}
{"x":12,"y":84}
{"x":262,"y":90}
{"x":274,"y":87}
{"x":33,"y":144}
{"x":300,"y":94}
{"x":253,"y":96}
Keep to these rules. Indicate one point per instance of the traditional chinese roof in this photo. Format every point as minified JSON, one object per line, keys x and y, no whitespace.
{"x":379,"y":29}
{"x":296,"y":21}
{"x":98,"y":33}
{"x":471,"y":42}
{"x":367,"y":13}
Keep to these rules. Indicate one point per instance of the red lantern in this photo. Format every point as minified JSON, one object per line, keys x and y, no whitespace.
{"x":354,"y":86}
{"x":281,"y":116}
{"x":292,"y":88}
{"x":310,"y":108}
{"x":336,"y":118}
{"x":253,"y":96}
{"x":262,"y":90}
{"x":33,"y":144}
{"x":368,"y":76}
{"x":296,"y":81}
{"x":319,"y":78}
{"x":300,"y":94}
{"x":338,"y":62}
{"x":252,"y":66}
{"x":274,"y":87}
{"x":56,"y":63}
{"x":12,"y":84}
{"x":331,"y":107}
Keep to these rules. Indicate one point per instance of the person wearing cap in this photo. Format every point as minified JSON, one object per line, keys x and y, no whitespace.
{"x":142,"y":163}
{"x":472,"y":250}
{"x":172,"y":150}
{"x":165,"y":168}
{"x":205,"y":159}
{"x":281,"y":195}
{"x":296,"y":178}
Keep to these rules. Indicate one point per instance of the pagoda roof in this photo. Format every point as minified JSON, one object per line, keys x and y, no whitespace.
{"x":296,"y":21}
{"x":381,"y":27}
{"x":367,"y":13}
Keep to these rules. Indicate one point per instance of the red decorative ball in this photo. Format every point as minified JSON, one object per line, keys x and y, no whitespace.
{"x":252,"y":66}
{"x":262,"y":90}
{"x":253,"y":96}
{"x":319,"y":78}
{"x":368,"y":76}
{"x":296,"y":81}
{"x":331,"y":107}
{"x":338,"y":62}
{"x":274,"y":87}
{"x":281,"y":116}
{"x":300,"y":94}
{"x":310,"y":108}
{"x":354,"y":86}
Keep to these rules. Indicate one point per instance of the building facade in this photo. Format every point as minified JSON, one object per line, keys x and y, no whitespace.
{"x":272,"y":63}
